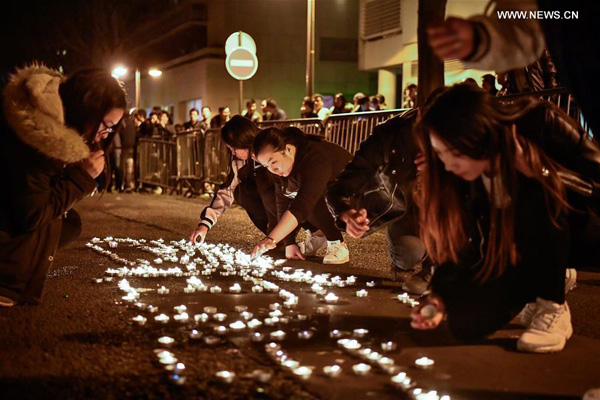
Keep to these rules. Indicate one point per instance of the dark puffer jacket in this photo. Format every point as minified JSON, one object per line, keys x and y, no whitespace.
{"x":381,"y":176}
{"x":41,"y":180}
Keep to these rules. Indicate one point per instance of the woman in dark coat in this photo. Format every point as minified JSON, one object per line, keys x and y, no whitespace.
{"x":248,"y":183}
{"x":302,"y":166}
{"x":496,"y":219}
{"x":53,"y":135}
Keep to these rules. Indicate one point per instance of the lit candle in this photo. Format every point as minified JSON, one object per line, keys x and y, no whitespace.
{"x":241,"y":308}
{"x":166,"y":341}
{"x":184,"y":317}
{"x":388,"y":346}
{"x":275,"y":306}
{"x":162,"y":318}
{"x":167,"y":359}
{"x":210,"y":309}
{"x":362,"y":293}
{"x":331,"y":298}
{"x":271,"y":321}
{"x":140,"y":320}
{"x":211,"y":340}
{"x":189,"y":289}
{"x":322,"y":310}
{"x":257,"y":337}
{"x":237,"y":326}
{"x":254,"y":323}
{"x":374,"y":356}
{"x":163,"y":291}
{"x":385,"y":362}
{"x":332,"y":371}
{"x":335,"y":334}
{"x":302,"y":317}
{"x":246,"y":315}
{"x":215,"y":289}
{"x":261,"y":375}
{"x":360,"y":332}
{"x":276,"y":313}
{"x":361,"y":369}
{"x":398,"y":380}
{"x":152,"y":309}
{"x":352,"y":345}
{"x":290,"y":364}
{"x":220,"y":330}
{"x":305,"y":335}
{"x":257,"y":289}
{"x":371,"y":284}
{"x":303,"y":372}
{"x":235,"y":288}
{"x":220,"y":317}
{"x":195,"y":335}
{"x":404,"y":298}
{"x":225,"y":376}
{"x":278,"y":335}
{"x":424,"y":363}
{"x":201,"y":317}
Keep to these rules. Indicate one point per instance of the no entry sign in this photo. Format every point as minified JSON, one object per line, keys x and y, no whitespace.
{"x":241,"y":63}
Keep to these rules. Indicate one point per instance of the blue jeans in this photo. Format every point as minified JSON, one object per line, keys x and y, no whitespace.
{"x":404,"y":247}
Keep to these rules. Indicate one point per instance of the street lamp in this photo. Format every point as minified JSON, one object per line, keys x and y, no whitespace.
{"x":155,"y":73}
{"x":119,"y":72}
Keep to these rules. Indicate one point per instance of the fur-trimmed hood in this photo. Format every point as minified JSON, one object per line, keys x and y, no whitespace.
{"x":34,"y":110}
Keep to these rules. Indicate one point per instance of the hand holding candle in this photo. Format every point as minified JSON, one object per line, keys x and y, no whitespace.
{"x":263,"y":246}
{"x":357,"y":222}
{"x":428,"y":314}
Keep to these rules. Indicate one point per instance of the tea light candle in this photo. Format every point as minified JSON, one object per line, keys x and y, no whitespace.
{"x":246,"y":315}
{"x":374,"y":356}
{"x":388,"y":346}
{"x":225,"y":376}
{"x":166,"y":341}
{"x":331,"y":298}
{"x":272,"y":347}
{"x":361,"y":369}
{"x":291,"y":364}
{"x":220,"y":317}
{"x":195,"y":335}
{"x":335,"y":334}
{"x":254,"y":323}
{"x":303,"y":372}
{"x":167,"y":358}
{"x":162,"y":318}
{"x":261,"y":375}
{"x":302,"y":317}
{"x":274,"y":306}
{"x":237,"y":326}
{"x":332,"y":371}
{"x":385,"y":362}
{"x":277,"y":335}
{"x":184,"y":317}
{"x":322,"y":310}
{"x":362,"y":293}
{"x":352,"y":345}
{"x":404,"y":298}
{"x":429,"y":311}
{"x":163,"y":291}
{"x":371,"y":284}
{"x":201,"y":317}
{"x":220,"y":330}
{"x":241,"y":309}
{"x":276,"y":313}
{"x":211,"y":340}
{"x":189,"y":289}
{"x":424,"y":363}
{"x":257,"y":337}
{"x":140,"y":320}
{"x":152,"y":309}
{"x":235,"y":288}
{"x":210,"y":309}
{"x":257,"y":289}
{"x":305,"y":335}
{"x":215,"y":289}
{"x":360,"y":332}
{"x":398,"y":380}
{"x":271,"y":321}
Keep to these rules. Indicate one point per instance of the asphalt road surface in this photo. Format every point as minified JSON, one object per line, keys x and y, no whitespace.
{"x":81,"y":341}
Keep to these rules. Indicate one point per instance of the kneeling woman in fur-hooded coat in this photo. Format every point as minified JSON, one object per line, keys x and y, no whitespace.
{"x":53,"y":133}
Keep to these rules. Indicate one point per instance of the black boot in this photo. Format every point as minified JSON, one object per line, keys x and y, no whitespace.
{"x":419,"y":282}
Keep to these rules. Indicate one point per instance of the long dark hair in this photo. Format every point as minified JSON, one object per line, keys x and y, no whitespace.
{"x":239,"y":132}
{"x":477,"y":125}
{"x":276,"y":139}
{"x":87,"y":96}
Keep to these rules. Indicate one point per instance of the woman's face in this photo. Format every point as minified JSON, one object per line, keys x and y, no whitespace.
{"x":278,"y":162}
{"x":240,"y":154}
{"x":110,"y":120}
{"x":460,"y":165}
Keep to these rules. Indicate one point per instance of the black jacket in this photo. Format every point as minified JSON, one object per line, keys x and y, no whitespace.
{"x":41,"y":180}
{"x":381,"y":176}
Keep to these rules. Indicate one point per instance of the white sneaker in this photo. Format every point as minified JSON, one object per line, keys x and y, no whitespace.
{"x":550,"y":329}
{"x":312,"y":244}
{"x":337,"y":253}
{"x":528,"y":312}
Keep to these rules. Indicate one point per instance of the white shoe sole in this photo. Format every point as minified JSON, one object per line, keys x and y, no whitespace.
{"x":344,"y":261}
{"x":530,"y":348}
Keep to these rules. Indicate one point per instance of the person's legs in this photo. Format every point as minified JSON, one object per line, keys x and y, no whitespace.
{"x":404,"y":247}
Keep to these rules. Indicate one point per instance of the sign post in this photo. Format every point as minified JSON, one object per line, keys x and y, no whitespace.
{"x":241,"y":62}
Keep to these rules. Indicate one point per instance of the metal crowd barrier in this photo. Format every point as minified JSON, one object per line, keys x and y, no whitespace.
{"x":312,"y":126}
{"x":157,"y":162}
{"x":198,"y":157}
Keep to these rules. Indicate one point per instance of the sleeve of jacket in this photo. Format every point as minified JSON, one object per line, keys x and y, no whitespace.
{"x":39,"y":196}
{"x":507,"y":43}
{"x":221,"y":201}
{"x":282,"y":204}
{"x":266,"y":189}
{"x":358,"y":172}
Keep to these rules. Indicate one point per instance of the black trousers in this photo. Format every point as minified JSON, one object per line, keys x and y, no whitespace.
{"x":321,"y":218}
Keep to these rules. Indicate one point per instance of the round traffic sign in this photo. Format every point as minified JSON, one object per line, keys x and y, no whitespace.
{"x":241,"y":63}
{"x":239,"y":39}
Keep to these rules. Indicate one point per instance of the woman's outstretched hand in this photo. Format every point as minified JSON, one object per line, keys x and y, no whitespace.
{"x":292,"y":252}
{"x":199,"y":234}
{"x":263,"y":246}
{"x":429,"y":313}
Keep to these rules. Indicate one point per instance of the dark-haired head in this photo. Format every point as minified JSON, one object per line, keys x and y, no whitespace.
{"x":238,"y":134}
{"x":94,"y":103}
{"x":465,"y":134}
{"x":276,"y":148}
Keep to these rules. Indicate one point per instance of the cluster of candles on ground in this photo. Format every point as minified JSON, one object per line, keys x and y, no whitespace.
{"x":192,"y":261}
